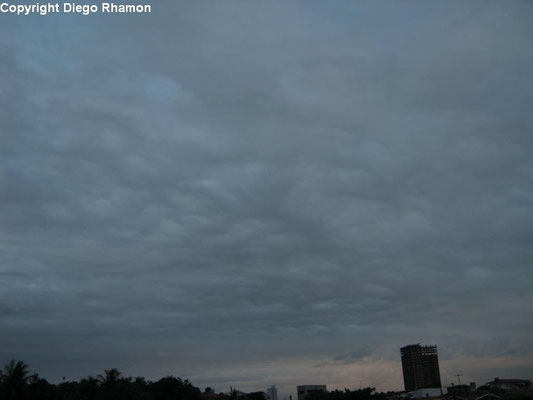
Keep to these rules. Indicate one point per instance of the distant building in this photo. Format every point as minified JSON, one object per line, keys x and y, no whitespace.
{"x":424,"y":393}
{"x":509,"y":384}
{"x":272,"y":393}
{"x":459,"y":390}
{"x":420,"y":365}
{"x":304,"y":390}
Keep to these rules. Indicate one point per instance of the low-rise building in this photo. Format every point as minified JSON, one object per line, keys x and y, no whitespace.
{"x":304,"y":390}
{"x":424,"y":393}
{"x":458,"y":390}
{"x":509,"y":384}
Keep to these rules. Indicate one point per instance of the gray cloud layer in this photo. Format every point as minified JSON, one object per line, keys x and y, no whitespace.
{"x":251,"y":193}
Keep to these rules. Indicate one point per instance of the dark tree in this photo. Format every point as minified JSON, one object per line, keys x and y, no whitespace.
{"x":110,"y":378}
{"x":256,"y":396}
{"x":171,"y":388}
{"x":14,"y":380}
{"x":89,"y":388}
{"x":40,"y":389}
{"x":16,"y":383}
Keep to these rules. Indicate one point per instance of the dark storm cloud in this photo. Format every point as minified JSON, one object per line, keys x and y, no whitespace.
{"x":239,"y":192}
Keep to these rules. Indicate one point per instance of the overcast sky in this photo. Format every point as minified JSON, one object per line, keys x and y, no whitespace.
{"x":250,"y":193}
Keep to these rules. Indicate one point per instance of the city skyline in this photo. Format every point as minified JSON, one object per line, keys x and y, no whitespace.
{"x":252,"y":193}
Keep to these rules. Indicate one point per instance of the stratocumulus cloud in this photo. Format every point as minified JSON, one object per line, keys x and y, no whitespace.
{"x":247,"y":194}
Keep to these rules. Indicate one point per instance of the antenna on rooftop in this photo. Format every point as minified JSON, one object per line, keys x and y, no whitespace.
{"x":459,"y":378}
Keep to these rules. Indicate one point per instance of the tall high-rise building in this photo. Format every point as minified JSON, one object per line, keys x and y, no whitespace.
{"x":420,"y":366}
{"x":272,"y":393}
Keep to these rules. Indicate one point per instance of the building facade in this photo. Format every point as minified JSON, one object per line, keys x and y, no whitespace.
{"x":424,"y":393}
{"x":509,"y":384}
{"x":272,"y":393}
{"x":420,"y":365}
{"x":304,"y":390}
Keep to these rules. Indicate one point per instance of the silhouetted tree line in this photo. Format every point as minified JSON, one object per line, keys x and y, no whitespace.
{"x":17,"y":383}
{"x":346,"y":394}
